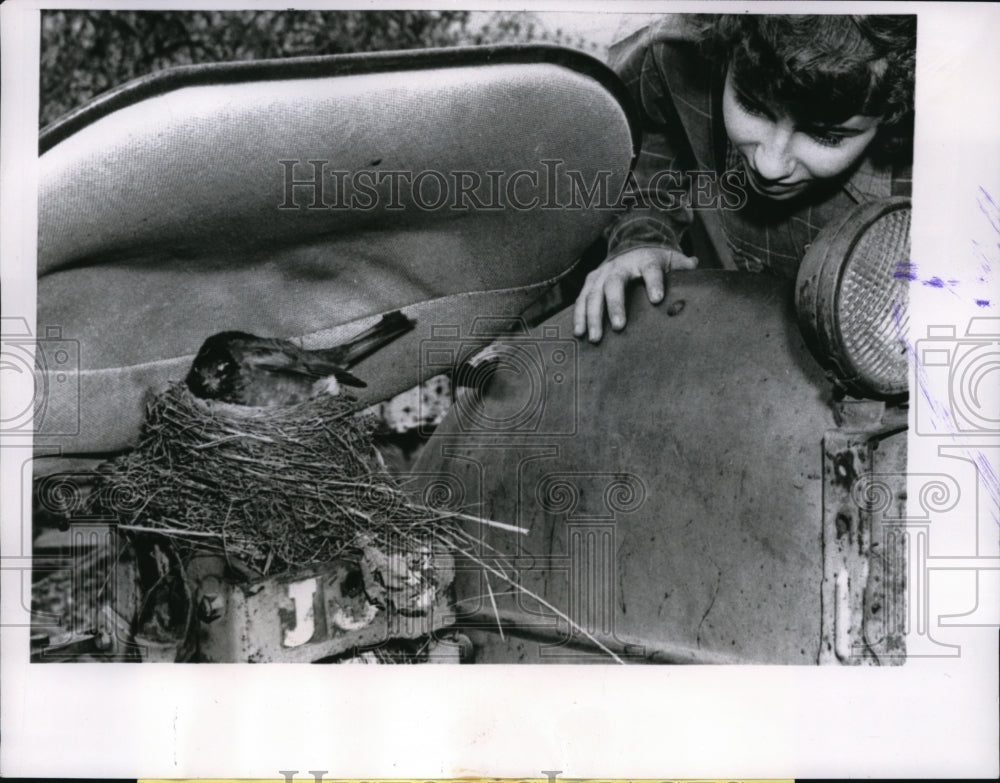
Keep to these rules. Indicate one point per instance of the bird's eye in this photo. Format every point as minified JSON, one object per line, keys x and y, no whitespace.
{"x":221,"y":366}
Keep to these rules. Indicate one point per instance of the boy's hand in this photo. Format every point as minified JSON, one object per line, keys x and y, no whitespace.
{"x":607,"y":284}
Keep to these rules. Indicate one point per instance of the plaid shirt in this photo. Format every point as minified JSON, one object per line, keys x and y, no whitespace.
{"x":679,"y":100}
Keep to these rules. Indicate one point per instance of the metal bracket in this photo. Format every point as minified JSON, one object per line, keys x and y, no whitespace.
{"x":863,"y":589}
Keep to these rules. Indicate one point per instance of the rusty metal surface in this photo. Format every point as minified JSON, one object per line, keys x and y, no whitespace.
{"x":670,"y":478}
{"x":312,"y":615}
{"x":864,"y":560}
{"x":100,"y":595}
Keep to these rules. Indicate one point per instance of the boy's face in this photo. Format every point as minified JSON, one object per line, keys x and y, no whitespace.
{"x":784,"y":158}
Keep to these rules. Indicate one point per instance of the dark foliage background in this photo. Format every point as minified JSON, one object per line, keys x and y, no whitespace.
{"x":84,"y":53}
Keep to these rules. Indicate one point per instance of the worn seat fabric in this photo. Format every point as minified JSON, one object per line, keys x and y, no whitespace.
{"x":173,"y":216}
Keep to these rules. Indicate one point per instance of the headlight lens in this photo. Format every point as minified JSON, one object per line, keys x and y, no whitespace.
{"x":852,"y":297}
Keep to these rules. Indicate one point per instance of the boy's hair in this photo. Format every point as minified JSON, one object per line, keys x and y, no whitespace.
{"x":823,"y":68}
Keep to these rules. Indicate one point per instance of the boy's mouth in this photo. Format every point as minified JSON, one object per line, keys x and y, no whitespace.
{"x":770,"y":189}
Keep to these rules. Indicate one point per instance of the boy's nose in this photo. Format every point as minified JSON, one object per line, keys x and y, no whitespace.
{"x":771,"y":158}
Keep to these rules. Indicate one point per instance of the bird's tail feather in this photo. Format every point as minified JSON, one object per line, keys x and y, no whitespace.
{"x":390,"y":327}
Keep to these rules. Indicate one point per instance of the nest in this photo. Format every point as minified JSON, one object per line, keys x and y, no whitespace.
{"x":276,"y":489}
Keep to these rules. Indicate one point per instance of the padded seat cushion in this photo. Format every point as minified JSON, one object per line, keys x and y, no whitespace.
{"x":161,"y":221}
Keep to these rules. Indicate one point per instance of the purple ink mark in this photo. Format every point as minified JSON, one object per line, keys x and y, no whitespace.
{"x":994,"y":219}
{"x":938,"y":416}
{"x":989,"y":479}
{"x":905,"y":271}
{"x":985,"y":264}
{"x":934,"y":282}
{"x":983,"y":302}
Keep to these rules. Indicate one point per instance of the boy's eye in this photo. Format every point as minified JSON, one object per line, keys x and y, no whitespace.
{"x":750,"y":106}
{"x":826,"y":138}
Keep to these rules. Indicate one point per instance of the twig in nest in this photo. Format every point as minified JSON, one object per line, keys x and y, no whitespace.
{"x":278,"y":489}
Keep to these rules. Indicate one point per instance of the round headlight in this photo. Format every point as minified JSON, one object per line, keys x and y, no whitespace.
{"x":852,"y":296}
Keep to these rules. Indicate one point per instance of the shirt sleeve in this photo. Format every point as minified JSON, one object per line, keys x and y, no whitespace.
{"x":658,"y":194}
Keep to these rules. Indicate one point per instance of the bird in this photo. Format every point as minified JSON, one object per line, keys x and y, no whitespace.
{"x":243,"y":369}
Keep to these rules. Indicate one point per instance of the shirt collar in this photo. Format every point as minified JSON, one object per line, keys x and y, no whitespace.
{"x":869,"y":183}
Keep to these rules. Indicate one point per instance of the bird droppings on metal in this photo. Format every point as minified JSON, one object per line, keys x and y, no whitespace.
{"x":843,"y":522}
{"x":844,"y":470}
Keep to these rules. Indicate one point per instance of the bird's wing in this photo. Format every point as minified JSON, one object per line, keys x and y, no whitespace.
{"x":286,"y":358}
{"x":272,"y":356}
{"x":322,"y":369}
{"x":388,"y":328}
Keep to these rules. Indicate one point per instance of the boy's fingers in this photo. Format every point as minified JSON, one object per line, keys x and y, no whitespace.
{"x":652,"y":275}
{"x":605,"y":286}
{"x":592,"y":282}
{"x":614,"y":294}
{"x":580,"y":311}
{"x":595,"y":313}
{"x":681,"y":261}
